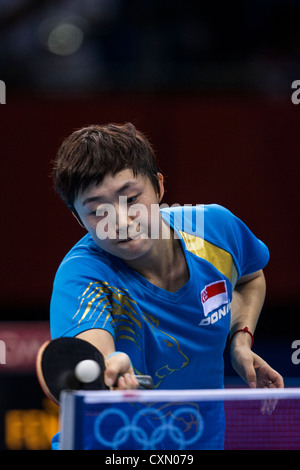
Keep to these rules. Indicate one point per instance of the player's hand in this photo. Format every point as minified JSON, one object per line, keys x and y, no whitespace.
{"x":256,"y":372}
{"x":119,"y":374}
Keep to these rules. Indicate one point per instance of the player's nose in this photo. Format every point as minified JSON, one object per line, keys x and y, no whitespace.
{"x":122,"y":222}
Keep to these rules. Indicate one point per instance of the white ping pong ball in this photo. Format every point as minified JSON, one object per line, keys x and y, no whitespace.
{"x":87,"y":371}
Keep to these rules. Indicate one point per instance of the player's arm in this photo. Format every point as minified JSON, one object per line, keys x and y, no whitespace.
{"x":248,"y":299}
{"x":119,"y":370}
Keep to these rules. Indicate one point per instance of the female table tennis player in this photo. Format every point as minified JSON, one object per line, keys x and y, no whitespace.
{"x":166,"y":287}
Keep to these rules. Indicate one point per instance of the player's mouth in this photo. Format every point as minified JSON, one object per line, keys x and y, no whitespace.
{"x":127,"y":240}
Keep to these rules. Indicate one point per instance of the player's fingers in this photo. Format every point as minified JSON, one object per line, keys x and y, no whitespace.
{"x":276,"y":380}
{"x":250,"y":375}
{"x":127,"y":382}
{"x":268,"y":406}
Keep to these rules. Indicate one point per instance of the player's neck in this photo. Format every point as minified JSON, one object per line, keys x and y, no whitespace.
{"x":165,"y":265}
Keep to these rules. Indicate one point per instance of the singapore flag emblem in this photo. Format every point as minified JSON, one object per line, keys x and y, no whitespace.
{"x":213,"y":296}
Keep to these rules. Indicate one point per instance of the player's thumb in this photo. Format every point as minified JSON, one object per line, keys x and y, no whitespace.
{"x":110,"y":377}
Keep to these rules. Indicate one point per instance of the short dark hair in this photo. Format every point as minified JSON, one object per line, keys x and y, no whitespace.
{"x":91,"y":153}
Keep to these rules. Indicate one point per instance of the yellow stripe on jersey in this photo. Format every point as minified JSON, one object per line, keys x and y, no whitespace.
{"x":221,"y":259}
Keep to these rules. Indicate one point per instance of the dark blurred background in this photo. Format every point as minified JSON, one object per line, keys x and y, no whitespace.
{"x":211,"y":86}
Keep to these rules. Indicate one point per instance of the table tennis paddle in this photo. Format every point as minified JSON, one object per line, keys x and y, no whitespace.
{"x":59,"y":366}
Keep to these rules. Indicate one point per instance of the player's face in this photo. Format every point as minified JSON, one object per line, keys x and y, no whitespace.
{"x":122,"y":213}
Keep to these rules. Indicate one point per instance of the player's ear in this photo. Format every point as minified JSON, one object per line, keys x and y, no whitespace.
{"x":161,"y":186}
{"x":74,"y":213}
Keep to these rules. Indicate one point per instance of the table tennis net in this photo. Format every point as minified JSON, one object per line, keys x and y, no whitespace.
{"x":228,"y":419}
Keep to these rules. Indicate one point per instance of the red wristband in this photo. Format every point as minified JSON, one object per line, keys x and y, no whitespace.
{"x":245,"y":330}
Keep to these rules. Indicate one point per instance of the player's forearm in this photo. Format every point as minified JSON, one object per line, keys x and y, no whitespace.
{"x":99,"y":338}
{"x":119,"y":372}
{"x":248,"y":299}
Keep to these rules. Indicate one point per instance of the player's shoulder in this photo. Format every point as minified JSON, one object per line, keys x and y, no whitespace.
{"x":85,"y":258}
{"x":84,"y":247}
{"x":215,"y":213}
{"x":211,"y":222}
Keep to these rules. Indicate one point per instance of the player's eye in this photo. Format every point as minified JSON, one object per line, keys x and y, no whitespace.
{"x":98,"y":213}
{"x":131,"y":199}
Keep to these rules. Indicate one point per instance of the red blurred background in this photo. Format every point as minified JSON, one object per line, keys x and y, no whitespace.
{"x":240,"y":152}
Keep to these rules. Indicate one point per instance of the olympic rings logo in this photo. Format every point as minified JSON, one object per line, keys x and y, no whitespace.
{"x":133,"y":428}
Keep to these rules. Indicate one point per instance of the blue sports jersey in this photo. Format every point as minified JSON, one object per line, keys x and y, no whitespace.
{"x":176,"y":337}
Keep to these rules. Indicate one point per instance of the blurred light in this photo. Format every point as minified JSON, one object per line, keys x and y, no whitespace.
{"x":65,"y":39}
{"x":31,"y":429}
{"x":63,"y":35}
